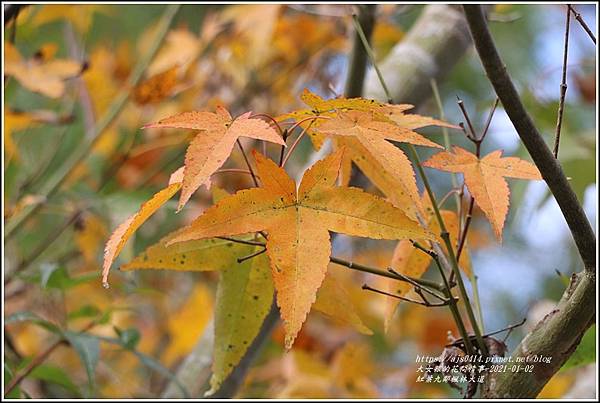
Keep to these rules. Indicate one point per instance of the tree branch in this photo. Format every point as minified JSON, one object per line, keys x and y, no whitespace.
{"x":556,"y":336}
{"x":534,"y":142}
{"x":358,"y":58}
{"x":432,"y":46}
{"x":194,"y":371}
{"x":559,"y":333}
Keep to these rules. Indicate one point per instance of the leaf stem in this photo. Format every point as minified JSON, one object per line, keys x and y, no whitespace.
{"x":367,"y":269}
{"x":365,"y":43}
{"x":271,"y":118}
{"x":425,"y":302}
{"x":581,"y":21}
{"x":563,"y":85}
{"x":295,"y":144}
{"x":239,"y":143}
{"x":242,"y":241}
{"x":252,"y":255}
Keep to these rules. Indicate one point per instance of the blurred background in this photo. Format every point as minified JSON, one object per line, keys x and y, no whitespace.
{"x":71,"y":69}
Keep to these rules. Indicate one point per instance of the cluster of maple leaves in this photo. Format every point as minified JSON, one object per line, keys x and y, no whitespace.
{"x":292,"y":224}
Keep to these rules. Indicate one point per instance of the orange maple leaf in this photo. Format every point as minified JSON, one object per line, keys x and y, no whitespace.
{"x":211,"y":147}
{"x":384,"y":163}
{"x":485,"y":179}
{"x":298,"y":225}
{"x":126,"y":229}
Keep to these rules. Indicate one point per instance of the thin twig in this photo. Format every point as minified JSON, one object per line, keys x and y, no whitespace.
{"x":271,"y":118}
{"x":453,"y":191}
{"x":252,"y":255}
{"x":509,"y":328}
{"x":461,"y":105}
{"x":463,"y":235}
{"x":367,"y":269}
{"x":488,"y":122}
{"x":34,"y":363}
{"x":295,"y":144}
{"x":232,"y":170}
{"x":415,"y":284}
{"x":581,"y":21}
{"x":282,"y":151}
{"x":242,"y":241}
{"x":551,"y":171}
{"x":424,"y":303}
{"x":365,"y":43}
{"x":563,"y":86}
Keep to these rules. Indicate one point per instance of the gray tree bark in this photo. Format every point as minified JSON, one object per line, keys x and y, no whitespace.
{"x":433,"y":45}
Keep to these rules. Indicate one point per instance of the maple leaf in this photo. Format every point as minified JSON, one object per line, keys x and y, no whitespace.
{"x":244,"y":298}
{"x":211,"y":147}
{"x":485,"y":179}
{"x":327,"y":107}
{"x":363,"y":126}
{"x":127,"y":228}
{"x":244,"y":292}
{"x":385,"y":164}
{"x":298,"y":225}
{"x":39,"y":75}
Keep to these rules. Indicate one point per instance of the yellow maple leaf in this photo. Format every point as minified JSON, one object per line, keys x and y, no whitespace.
{"x":333,"y":300}
{"x":298,"y":225}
